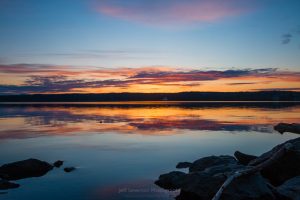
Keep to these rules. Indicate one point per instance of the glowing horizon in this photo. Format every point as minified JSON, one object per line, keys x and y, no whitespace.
{"x":25,"y":78}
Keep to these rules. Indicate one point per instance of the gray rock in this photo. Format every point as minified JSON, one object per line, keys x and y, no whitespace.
{"x":24,"y":169}
{"x":290,"y":189}
{"x":244,"y":159}
{"x":171,"y":181}
{"x":284,"y":127}
{"x":204,"y":184}
{"x":4,"y":185}
{"x":206,"y":176}
{"x":283,"y":169}
{"x":183,"y":165}
{"x":253,"y":187}
{"x":210,"y":161}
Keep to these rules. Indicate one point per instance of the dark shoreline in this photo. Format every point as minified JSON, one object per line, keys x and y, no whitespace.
{"x":181,"y":104}
{"x":272,"y":96}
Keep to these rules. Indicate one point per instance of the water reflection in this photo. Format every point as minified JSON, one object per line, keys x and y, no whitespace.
{"x":122,"y":148}
{"x":34,"y":121}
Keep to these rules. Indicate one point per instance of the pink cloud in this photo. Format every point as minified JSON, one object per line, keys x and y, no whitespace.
{"x":174,"y":12}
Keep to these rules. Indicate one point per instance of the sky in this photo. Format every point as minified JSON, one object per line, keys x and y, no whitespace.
{"x":101,"y":46}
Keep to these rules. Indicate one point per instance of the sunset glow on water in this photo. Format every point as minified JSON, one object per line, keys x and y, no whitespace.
{"x":118,"y":149}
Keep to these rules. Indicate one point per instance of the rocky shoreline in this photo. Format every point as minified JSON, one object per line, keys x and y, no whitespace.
{"x":274,"y":175}
{"x":26,"y":169}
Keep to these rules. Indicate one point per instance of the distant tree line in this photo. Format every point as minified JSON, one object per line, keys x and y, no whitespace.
{"x":182,"y":96}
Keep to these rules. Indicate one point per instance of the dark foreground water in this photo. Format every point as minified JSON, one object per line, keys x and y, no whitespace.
{"x":120,"y":149}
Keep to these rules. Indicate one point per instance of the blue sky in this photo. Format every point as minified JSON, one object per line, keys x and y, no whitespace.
{"x":105,"y":45}
{"x":75,"y":32}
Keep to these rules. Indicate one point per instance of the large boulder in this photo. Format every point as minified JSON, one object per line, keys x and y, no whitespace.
{"x":182,"y":165}
{"x":284,"y":168}
{"x":252,"y":187}
{"x":210,"y":161}
{"x":171,"y":181}
{"x":243,"y":158}
{"x":24,"y":169}
{"x":210,"y":175}
{"x":206,"y":176}
{"x":290,"y":189}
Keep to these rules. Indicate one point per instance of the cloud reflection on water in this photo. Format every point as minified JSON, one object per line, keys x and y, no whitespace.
{"x":31,"y":121}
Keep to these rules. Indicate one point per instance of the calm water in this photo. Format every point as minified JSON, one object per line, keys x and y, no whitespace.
{"x":120,"y":149}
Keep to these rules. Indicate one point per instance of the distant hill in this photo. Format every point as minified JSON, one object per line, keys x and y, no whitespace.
{"x":182,"y":96}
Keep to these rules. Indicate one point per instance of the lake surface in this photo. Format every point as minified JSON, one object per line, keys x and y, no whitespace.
{"x":119,"y":149}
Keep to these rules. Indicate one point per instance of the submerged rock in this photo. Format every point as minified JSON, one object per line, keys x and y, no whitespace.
{"x":284,"y":127}
{"x":24,"y":169}
{"x":242,"y":158}
{"x":69,"y":169}
{"x":4,"y":185}
{"x":58,"y":163}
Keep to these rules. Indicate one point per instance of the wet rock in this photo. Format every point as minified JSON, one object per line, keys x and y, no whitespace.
{"x":24,"y":169}
{"x":209,"y":161}
{"x":69,"y":169}
{"x":242,"y":158}
{"x":290,"y":189}
{"x":183,"y":165}
{"x":58,"y":163}
{"x":253,"y":187}
{"x":171,"y":181}
{"x":4,"y":185}
{"x":283,"y":169}
{"x":284,"y":127}
{"x":204,"y":184}
{"x":206,"y":176}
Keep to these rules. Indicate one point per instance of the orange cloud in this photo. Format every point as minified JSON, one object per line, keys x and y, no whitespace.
{"x":66,"y":79}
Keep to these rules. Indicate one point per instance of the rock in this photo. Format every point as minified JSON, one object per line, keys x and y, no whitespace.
{"x":201,"y":185}
{"x":4,"y":185}
{"x":69,"y":169}
{"x":171,"y":181}
{"x":242,"y":158}
{"x":58,"y":163}
{"x":204,"y":184}
{"x":25,"y":169}
{"x":209,"y":161}
{"x":290,"y":189}
{"x":283,"y":169}
{"x":278,"y":179}
{"x":253,"y":187}
{"x":183,"y":165}
{"x":284,"y":127}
